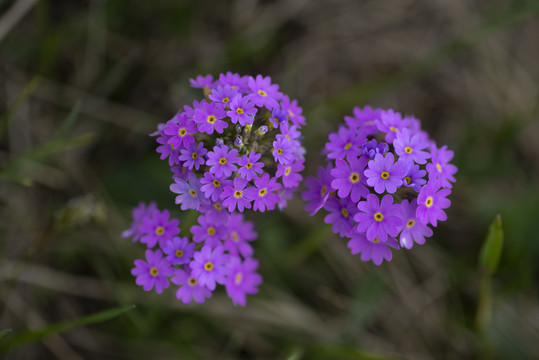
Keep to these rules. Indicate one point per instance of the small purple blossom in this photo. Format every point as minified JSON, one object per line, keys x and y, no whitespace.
{"x":153,"y":272}
{"x":138,"y":214}
{"x":375,"y":250}
{"x":283,"y":151}
{"x":371,"y":148}
{"x":193,"y":155}
{"x":221,"y":161}
{"x":413,"y":230}
{"x":384,"y":174}
{"x":189,"y":194}
{"x":235,"y":196}
{"x":318,"y":189}
{"x":208,"y":118}
{"x":207,"y":232}
{"x":179,"y":250}
{"x":240,"y":233}
{"x":189,"y":288}
{"x":410,"y":147}
{"x":290,"y":174}
{"x":157,"y":228}
{"x":242,"y":110}
{"x":432,"y":200}
{"x":343,"y":144}
{"x":242,"y":280}
{"x":263,"y":92}
{"x":223,"y":94}
{"x":202,"y":81}
{"x":263,"y":193}
{"x":180,"y":130}
{"x":209,"y":266}
{"x":440,"y":167}
{"x":341,"y":215}
{"x":212,"y":186}
{"x":250,"y":166}
{"x":378,"y":219}
{"x":414,"y":178}
{"x":349,"y":178}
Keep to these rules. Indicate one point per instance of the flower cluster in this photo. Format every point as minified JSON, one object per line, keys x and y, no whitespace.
{"x":216,"y":254}
{"x":239,"y":148}
{"x":384,"y":184}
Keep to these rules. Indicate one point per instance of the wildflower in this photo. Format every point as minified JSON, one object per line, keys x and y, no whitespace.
{"x":193,"y":155}
{"x":153,"y":272}
{"x":240,"y":233}
{"x":189,"y":289}
{"x":413,"y":229}
{"x":207,"y":231}
{"x":263,"y":92}
{"x":222,"y":161}
{"x":242,"y":280}
{"x":250,"y":166}
{"x":234,"y":196}
{"x":432,"y":200}
{"x":209,"y":266}
{"x":384,"y":174}
{"x":242,"y":110}
{"x":189,"y":192}
{"x":263,"y":193}
{"x":375,"y":250}
{"x":349,"y":178}
{"x":157,"y":228}
{"x":378,"y":219}
{"x":179,"y":250}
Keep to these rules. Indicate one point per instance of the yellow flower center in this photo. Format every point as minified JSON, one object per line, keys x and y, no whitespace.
{"x":238,"y":278}
{"x":239,"y":111}
{"x":235,"y":236}
{"x":171,"y":146}
{"x":347,"y":146}
{"x":376,"y":240}
{"x":279,"y":151}
{"x":211,"y":119}
{"x":249,"y":165}
{"x":194,"y":156}
{"x":344,"y":212}
{"x":211,"y":231}
{"x":192,"y":281}
{"x":262,"y":192}
{"x":408,"y":150}
{"x":384,"y":175}
{"x":216,"y":183}
{"x":378,"y":216}
{"x":225,"y":100}
{"x":262,"y":93}
{"x":222,"y":161}
{"x":354,"y":177}
{"x":154,"y":272}
{"x":159,"y":230}
{"x":182,"y":132}
{"x":193,"y":193}
{"x":439,"y":168}
{"x":429,"y":202}
{"x":410,"y":223}
{"x":238,"y":194}
{"x":217,"y":206}
{"x":408,"y":179}
{"x":392,"y":128}
{"x":324,"y":190}
{"x":208,"y":266}
{"x":179,"y":253}
{"x":287,"y":171}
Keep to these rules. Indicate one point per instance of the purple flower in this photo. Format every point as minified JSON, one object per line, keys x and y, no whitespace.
{"x":341,"y":215}
{"x":223,"y":94}
{"x":349,"y":179}
{"x":250,"y":166}
{"x":189,"y":192}
{"x":242,"y":110}
{"x":153,"y":272}
{"x":263,"y":193}
{"x":242,"y":280}
{"x":344,"y":144}
{"x":179,"y":250}
{"x":167,"y":150}
{"x":234,"y":80}
{"x":193,"y":155}
{"x":263,"y":92}
{"x":221,"y":161}
{"x":180,"y":130}
{"x":390,"y":122}
{"x":293,"y":111}
{"x":208,"y":118}
{"x":283,"y":151}
{"x":202,"y":81}
{"x":371,"y":148}
{"x":383,"y":174}
{"x":413,"y":230}
{"x":364,"y":120}
{"x":189,"y":288}
{"x":289,"y":173}
{"x":414,"y":178}
{"x":209,"y":266}
{"x":378,"y":219}
{"x":216,"y":212}
{"x":375,"y":250}
{"x":432,"y":201}
{"x":207,"y":231}
{"x":157,"y":228}
{"x":440,"y":167}
{"x":235,"y":195}
{"x":212,"y":186}
{"x":240,"y":233}
{"x":138,"y":214}
{"x":318,"y":189}
{"x":410,"y":146}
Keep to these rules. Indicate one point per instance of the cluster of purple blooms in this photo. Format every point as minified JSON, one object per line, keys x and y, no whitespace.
{"x":384,"y":184}
{"x":216,"y":254}
{"x":238,"y":148}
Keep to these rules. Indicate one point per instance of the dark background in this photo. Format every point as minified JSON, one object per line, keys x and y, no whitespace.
{"x":82,"y":83}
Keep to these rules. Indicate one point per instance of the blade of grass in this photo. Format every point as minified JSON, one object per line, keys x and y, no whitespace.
{"x":36,"y":335}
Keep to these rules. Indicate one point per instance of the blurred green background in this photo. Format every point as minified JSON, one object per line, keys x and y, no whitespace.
{"x":82,"y":83}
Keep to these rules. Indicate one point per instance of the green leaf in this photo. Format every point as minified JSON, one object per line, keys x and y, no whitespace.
{"x":491,"y":251}
{"x":39,"y":334}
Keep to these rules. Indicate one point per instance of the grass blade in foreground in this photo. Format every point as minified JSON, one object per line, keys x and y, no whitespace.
{"x":36,"y":335}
